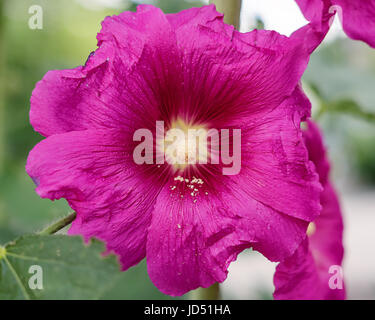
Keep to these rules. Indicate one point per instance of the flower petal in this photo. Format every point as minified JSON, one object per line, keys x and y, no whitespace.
{"x":149,"y":66}
{"x":194,"y":236}
{"x":306,"y":274}
{"x":275,"y":161}
{"x":316,"y":150}
{"x":66,"y":100}
{"x":227,"y":73}
{"x":297,"y":278}
{"x":190,"y":246}
{"x":94,"y":171}
{"x":118,"y":79}
{"x":314,"y":10}
{"x":357,"y":17}
{"x":197,"y":16}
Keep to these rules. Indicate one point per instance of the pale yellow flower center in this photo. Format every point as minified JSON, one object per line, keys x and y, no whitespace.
{"x":185,"y":144}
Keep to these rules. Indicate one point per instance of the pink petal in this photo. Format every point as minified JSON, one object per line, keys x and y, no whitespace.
{"x":275,"y":161}
{"x":190,"y":244}
{"x":316,"y":150}
{"x":357,"y":17}
{"x":69,"y":100}
{"x":314,"y":10}
{"x":329,"y":226}
{"x":154,"y":66}
{"x":194,"y":237}
{"x":94,"y":171}
{"x":319,"y":14}
{"x":107,"y":89}
{"x":231,"y":73}
{"x":306,"y":274}
{"x":199,"y":16}
{"x":297,"y":278}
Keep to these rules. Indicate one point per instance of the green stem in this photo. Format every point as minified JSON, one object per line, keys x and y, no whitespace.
{"x":231,"y":10}
{"x":53,"y":228}
{"x":2,"y":91}
{"x":210,"y":293}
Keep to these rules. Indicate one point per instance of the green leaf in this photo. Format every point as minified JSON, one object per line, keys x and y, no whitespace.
{"x":259,"y":23}
{"x":315,"y":89}
{"x":351,"y":107}
{"x":70,"y":268}
{"x":344,"y":105}
{"x":135,"y":284}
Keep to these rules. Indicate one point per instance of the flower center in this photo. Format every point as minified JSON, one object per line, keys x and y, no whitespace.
{"x":185,"y":144}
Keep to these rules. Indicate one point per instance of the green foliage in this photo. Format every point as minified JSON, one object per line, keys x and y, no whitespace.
{"x":259,"y":23}
{"x":134,"y":284}
{"x":21,"y":209}
{"x":341,"y":75}
{"x":71,"y":270}
{"x":341,"y":81}
{"x":363,"y":149}
{"x":347,"y":106}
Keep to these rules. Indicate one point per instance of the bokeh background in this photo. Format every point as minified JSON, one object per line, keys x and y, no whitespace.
{"x":340,"y":82}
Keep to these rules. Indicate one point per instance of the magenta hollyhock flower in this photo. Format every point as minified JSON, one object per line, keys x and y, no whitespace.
{"x":191,"y":68}
{"x":357,"y":17}
{"x":313,"y":271}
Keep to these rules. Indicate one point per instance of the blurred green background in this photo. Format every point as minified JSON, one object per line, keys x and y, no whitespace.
{"x":340,"y":81}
